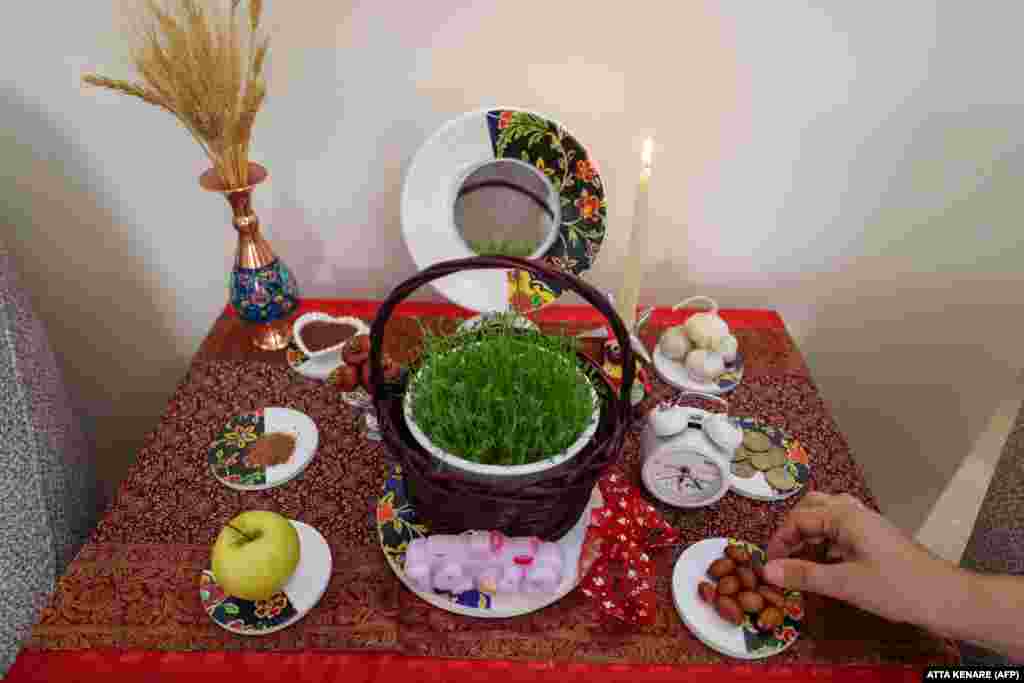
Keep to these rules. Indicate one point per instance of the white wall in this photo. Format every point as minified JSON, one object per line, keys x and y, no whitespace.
{"x":856,"y":167}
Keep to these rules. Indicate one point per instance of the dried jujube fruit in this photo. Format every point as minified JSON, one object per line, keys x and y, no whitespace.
{"x":729,"y":610}
{"x":707,"y":592}
{"x":721,"y":567}
{"x":738,"y":554}
{"x":357,"y":350}
{"x":347,"y":378}
{"x":729,"y":585}
{"x":770,"y":619}
{"x":751,"y":602}
{"x":747,"y":577}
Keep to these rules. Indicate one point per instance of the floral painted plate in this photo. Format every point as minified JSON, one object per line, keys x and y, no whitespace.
{"x":798,"y":463}
{"x":675,"y":374}
{"x":510,"y":136}
{"x":397,"y":525}
{"x":742,"y":642}
{"x":228,"y":454}
{"x":302,"y":592}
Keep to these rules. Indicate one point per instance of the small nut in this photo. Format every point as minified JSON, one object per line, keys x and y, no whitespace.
{"x":770,"y":619}
{"x":721,"y":567}
{"x":729,"y":585}
{"x":751,"y":602}
{"x":729,"y":610}
{"x":707,"y":592}
{"x":772,"y":594}
{"x":738,"y":554}
{"x":356,"y":350}
{"x":747,"y":577}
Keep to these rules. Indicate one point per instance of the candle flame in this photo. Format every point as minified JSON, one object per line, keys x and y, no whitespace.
{"x":648,"y":151}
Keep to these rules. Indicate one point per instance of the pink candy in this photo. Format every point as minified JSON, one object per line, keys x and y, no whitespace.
{"x":486,"y":560}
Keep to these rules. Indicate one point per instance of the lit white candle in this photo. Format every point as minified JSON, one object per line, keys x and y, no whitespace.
{"x":627,"y":298}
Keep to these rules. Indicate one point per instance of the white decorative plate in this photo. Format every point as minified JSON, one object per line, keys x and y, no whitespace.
{"x":296,"y":598}
{"x":397,"y":525}
{"x":798,"y":463}
{"x":742,"y":642}
{"x":227,"y":454}
{"x":674,"y":373}
{"x":576,"y":197}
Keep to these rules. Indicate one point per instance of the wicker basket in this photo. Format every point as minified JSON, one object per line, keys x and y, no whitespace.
{"x":547,"y":508}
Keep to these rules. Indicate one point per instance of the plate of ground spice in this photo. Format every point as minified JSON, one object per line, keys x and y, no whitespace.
{"x":263,"y":449}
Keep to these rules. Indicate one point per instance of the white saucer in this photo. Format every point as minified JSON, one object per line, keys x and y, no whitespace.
{"x":701,"y":618}
{"x":397,"y":525}
{"x":319,"y":368}
{"x":757,"y":487}
{"x":675,"y":373}
{"x":304,"y":589}
{"x":286,"y":420}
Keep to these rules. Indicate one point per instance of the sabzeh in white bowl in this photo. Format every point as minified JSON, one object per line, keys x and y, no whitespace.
{"x":499,"y":403}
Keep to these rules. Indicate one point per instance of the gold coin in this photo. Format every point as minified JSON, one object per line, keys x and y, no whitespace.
{"x":740,"y":454}
{"x":744,"y":470}
{"x":762,"y":462}
{"x":778,"y":456}
{"x":756,"y":442}
{"x":779,"y":478}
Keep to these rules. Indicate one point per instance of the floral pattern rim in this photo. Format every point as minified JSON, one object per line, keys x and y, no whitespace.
{"x":227,"y":454}
{"x":798,"y":460}
{"x":245,"y":616}
{"x":558,"y":155}
{"x":757,"y":642}
{"x":263,"y":294}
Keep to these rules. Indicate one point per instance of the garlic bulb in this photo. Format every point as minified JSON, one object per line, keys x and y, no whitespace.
{"x":704,"y":329}
{"x":704,"y":366}
{"x":675,"y":344}
{"x":727,"y":346}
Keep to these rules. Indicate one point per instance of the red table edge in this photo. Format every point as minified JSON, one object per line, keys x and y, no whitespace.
{"x":133,"y":665}
{"x":737,"y":318}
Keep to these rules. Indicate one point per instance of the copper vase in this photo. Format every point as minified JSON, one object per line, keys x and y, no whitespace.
{"x":262,"y":289}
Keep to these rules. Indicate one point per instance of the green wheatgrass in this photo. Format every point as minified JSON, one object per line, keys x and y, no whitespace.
{"x":500,"y":396}
{"x":520,"y":248}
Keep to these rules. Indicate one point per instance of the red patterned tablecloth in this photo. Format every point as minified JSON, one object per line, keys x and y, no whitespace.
{"x":128,"y":606}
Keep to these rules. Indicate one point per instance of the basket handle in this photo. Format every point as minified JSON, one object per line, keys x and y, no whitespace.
{"x":566,"y":280}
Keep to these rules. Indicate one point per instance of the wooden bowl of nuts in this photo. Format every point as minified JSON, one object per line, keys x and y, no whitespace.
{"x":721,"y":596}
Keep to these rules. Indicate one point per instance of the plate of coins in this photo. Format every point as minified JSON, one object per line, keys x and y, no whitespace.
{"x":770,"y":464}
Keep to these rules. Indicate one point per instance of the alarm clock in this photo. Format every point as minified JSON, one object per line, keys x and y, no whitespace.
{"x":686,"y":453}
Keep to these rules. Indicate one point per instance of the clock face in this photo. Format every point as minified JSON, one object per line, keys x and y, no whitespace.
{"x":684,"y":477}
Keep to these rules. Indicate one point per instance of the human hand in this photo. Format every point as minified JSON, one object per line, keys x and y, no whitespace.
{"x":873,"y":565}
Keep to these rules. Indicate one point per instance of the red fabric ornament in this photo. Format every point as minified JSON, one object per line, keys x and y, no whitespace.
{"x":626,"y":530}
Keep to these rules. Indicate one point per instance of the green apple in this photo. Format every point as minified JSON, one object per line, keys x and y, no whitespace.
{"x":255,"y":554}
